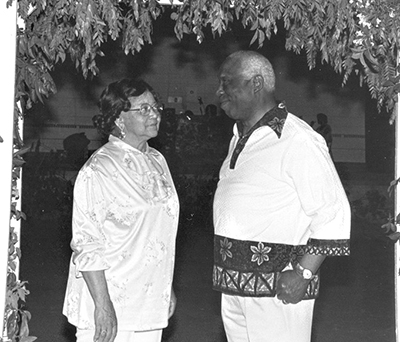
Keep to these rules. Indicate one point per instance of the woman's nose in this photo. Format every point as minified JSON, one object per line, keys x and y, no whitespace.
{"x":154,"y":112}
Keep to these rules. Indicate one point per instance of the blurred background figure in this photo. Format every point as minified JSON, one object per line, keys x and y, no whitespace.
{"x":76,"y":148}
{"x":325,"y":130}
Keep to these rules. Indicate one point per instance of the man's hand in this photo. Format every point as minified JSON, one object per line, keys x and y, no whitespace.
{"x":291,"y":287}
{"x":105,"y":322}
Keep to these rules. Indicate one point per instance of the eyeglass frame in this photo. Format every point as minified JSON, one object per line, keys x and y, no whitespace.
{"x":146,"y":112}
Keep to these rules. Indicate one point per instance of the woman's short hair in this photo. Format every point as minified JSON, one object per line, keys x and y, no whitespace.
{"x":115,"y":99}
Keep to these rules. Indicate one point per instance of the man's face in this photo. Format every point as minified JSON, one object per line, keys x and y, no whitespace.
{"x":234,"y":92}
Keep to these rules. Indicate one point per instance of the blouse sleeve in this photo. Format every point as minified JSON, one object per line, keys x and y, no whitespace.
{"x":88,"y":240}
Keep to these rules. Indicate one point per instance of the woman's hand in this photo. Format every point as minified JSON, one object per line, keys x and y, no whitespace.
{"x":105,"y":319}
{"x":105,"y":323}
{"x":172,"y":304}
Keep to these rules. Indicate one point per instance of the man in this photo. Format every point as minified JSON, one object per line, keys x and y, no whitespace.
{"x":279,"y":210}
{"x":325,"y":130}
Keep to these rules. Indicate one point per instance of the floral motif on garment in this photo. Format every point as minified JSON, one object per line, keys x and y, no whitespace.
{"x":260,"y":253}
{"x":277,"y":124}
{"x":124,"y":255}
{"x":250,"y":268}
{"x":152,"y":179}
{"x":119,"y":290}
{"x":166,"y":297}
{"x":154,"y":252}
{"x":120,"y":213}
{"x":225,"y":246}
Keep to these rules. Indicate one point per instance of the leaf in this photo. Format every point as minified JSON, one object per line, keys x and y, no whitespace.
{"x":389,"y":226}
{"x":392,"y":185}
{"x":394,"y":237}
{"x":255,"y":36}
{"x":18,"y":162}
{"x":24,"y":330}
{"x":28,"y":339}
{"x":388,"y":83}
{"x":22,"y":151}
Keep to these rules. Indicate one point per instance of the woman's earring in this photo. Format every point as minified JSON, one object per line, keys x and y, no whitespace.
{"x":121,"y":127}
{"x":122,"y":133}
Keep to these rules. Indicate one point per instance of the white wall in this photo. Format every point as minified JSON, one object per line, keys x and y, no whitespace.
{"x":184,"y":75}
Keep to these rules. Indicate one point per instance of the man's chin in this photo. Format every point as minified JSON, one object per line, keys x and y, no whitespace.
{"x":224,"y":106}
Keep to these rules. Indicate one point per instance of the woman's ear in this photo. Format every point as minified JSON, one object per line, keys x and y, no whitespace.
{"x":120,"y":123}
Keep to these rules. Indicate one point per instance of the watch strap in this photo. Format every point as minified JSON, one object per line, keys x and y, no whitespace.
{"x":303,"y":272}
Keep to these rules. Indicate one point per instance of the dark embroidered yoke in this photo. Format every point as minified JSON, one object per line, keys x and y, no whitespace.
{"x":274,"y":118}
{"x":250,"y":268}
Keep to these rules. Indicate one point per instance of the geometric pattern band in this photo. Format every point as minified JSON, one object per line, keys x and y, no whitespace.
{"x":254,"y":284}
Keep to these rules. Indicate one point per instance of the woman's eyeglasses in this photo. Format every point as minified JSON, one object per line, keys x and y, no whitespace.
{"x":146,"y":108}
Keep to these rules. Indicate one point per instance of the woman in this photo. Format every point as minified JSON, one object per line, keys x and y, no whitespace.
{"x":125,"y":220}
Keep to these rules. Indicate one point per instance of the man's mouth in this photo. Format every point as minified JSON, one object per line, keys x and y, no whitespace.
{"x":223,"y":102}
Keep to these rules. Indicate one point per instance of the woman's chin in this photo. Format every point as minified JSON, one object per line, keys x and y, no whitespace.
{"x":153,"y":132}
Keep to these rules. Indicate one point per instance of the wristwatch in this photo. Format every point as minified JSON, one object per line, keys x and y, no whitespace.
{"x":303,"y":272}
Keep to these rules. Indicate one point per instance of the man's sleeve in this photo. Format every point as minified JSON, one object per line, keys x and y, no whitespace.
{"x":322,"y":197}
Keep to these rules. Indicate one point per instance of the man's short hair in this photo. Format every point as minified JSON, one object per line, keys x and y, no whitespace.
{"x":253,"y":63}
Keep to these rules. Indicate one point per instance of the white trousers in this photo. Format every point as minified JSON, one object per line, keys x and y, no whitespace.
{"x":123,"y":336}
{"x":266,"y":319}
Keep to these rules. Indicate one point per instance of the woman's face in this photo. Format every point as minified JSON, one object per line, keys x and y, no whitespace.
{"x":138,"y":125}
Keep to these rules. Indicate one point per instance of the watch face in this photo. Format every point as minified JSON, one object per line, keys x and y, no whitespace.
{"x":307,"y":274}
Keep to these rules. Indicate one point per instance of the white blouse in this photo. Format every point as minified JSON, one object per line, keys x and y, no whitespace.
{"x":125,"y":220}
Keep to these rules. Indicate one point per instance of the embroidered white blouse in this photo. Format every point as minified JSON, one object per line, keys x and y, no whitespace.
{"x":125,"y":219}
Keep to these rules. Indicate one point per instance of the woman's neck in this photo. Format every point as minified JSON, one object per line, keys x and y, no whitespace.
{"x":139,"y":145}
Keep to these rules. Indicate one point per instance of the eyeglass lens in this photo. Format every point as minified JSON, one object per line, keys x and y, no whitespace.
{"x":145,"y":108}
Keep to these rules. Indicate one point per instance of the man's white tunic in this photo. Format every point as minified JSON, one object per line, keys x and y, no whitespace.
{"x":279,"y":196}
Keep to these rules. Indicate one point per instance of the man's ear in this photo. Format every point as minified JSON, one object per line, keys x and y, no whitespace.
{"x":258,"y":83}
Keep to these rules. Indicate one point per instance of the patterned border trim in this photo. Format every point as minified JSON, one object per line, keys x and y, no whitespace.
{"x":267,"y":257}
{"x":252,"y":255}
{"x":254,"y":284}
{"x":274,"y":118}
{"x":250,"y":268}
{"x":328,"y":247}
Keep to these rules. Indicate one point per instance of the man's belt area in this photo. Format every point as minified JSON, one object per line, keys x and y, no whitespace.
{"x":251,"y":268}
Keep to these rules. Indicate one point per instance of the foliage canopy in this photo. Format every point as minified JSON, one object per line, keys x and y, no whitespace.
{"x":360,"y":36}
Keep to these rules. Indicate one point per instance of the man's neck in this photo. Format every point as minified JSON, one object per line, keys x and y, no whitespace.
{"x":258,"y":114}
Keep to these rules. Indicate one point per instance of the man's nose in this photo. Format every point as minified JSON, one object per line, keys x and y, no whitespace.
{"x":219,"y":91}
